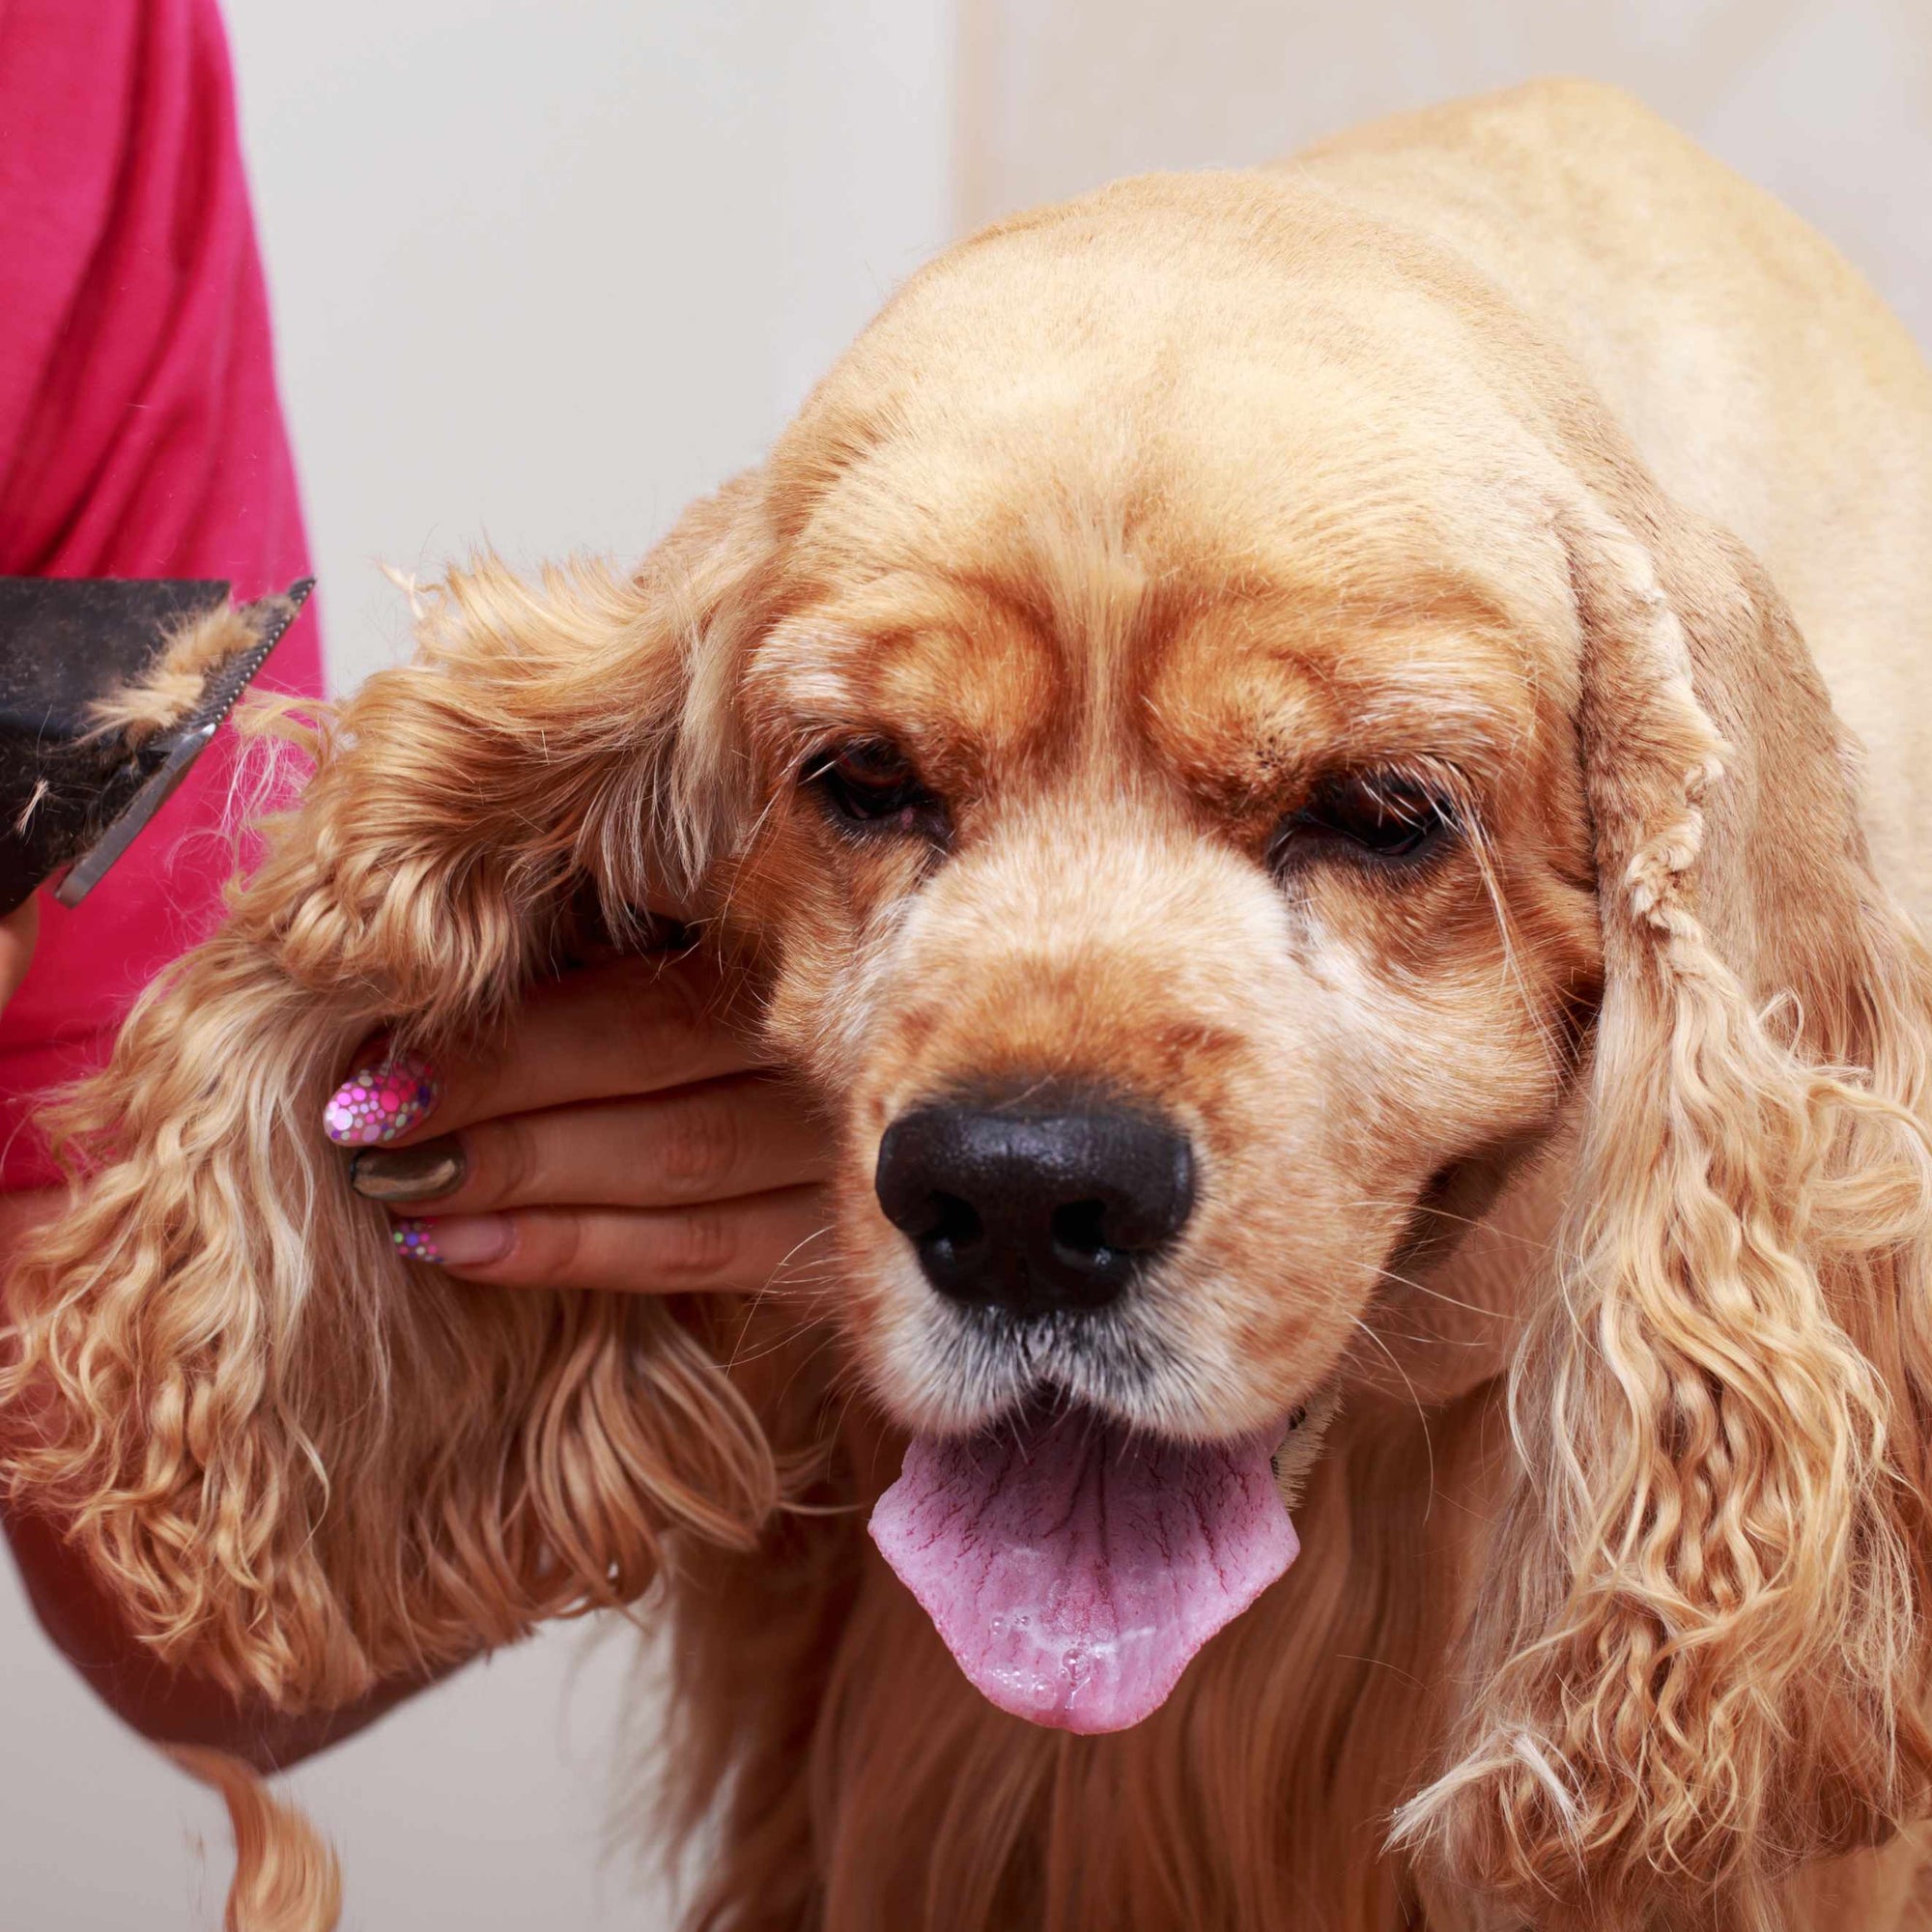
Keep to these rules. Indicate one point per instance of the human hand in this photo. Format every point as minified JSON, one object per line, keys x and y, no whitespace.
{"x":19,"y":933}
{"x":621,"y":1138}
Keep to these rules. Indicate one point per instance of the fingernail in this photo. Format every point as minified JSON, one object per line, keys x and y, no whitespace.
{"x":381,"y":1100}
{"x":462,"y":1240}
{"x":409,"y":1173}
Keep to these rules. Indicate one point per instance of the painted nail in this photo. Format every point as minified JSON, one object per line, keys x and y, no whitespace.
{"x":461,"y":1240}
{"x":379,"y":1101}
{"x":409,"y":1173}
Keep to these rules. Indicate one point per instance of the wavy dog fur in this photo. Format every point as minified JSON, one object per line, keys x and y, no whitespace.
{"x":297,"y":1545}
{"x":1700,"y":1633}
{"x":1587,"y":1162}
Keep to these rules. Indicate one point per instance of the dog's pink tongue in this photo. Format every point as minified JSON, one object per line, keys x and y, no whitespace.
{"x":1072,"y":1571}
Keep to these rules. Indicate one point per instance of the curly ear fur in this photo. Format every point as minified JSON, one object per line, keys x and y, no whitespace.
{"x":1699,"y":1654}
{"x":300,"y":1469}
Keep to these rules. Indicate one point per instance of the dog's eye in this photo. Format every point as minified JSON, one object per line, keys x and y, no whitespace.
{"x":872,"y":784}
{"x":1382,"y":815}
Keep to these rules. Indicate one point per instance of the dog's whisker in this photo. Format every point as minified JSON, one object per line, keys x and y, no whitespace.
{"x":1437,"y":1295}
{"x":1422,"y":1414}
{"x":1384,"y":1663}
{"x":1402,"y":1205}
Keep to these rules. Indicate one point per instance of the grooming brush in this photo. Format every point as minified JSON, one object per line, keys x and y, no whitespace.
{"x":110,"y":687}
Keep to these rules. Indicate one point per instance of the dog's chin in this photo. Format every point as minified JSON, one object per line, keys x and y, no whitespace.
{"x":954,"y":1371}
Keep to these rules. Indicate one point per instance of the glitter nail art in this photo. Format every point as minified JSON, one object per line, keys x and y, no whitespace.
{"x":379,"y":1101}
{"x":416,"y":1241}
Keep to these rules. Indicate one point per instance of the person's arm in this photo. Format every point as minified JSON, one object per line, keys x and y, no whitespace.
{"x":140,"y":436}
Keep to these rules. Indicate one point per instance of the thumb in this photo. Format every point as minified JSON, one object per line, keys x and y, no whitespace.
{"x":18,"y":931}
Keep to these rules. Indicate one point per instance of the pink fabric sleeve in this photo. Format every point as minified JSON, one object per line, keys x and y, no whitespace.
{"x":140,"y":436}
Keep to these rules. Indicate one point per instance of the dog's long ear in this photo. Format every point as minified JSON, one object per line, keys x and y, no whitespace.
{"x":298,"y":1468}
{"x":1698,"y":1657}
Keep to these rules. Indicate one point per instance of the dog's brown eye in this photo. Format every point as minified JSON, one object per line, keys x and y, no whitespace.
{"x":872,"y":784}
{"x":1382,"y":814}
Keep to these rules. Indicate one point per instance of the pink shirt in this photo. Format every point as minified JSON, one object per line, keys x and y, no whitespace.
{"x":140,"y":436}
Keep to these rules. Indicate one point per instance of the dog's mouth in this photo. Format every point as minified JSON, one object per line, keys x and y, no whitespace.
{"x":1073,"y":1567}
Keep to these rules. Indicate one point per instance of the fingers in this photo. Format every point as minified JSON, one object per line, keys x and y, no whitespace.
{"x":635,"y":1026}
{"x":717,"y":1247}
{"x":745,"y":1135}
{"x":619,"y":1139}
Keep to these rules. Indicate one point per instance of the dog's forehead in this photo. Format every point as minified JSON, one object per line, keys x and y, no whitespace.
{"x":1135,"y":477}
{"x":1043,"y":614}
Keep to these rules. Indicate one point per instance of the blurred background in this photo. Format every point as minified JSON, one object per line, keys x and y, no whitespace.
{"x":543,"y":272}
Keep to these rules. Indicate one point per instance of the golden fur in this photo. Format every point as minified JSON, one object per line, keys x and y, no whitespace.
{"x":176,"y":682}
{"x":1516,"y":447}
{"x":286,"y":1878}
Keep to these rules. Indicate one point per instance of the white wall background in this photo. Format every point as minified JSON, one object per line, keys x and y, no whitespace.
{"x":543,"y":272}
{"x":543,"y":269}
{"x":1826,"y":103}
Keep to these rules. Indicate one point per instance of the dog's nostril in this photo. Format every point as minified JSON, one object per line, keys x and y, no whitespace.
{"x":1034,"y":1211}
{"x":1077,"y":1230}
{"x":954,"y":1223}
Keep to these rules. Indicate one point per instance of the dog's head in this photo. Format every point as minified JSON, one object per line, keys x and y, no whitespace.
{"x":1221,"y":766}
{"x":1171,"y":853}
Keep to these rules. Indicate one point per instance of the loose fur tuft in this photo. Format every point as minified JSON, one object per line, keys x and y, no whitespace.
{"x":175,"y":684}
{"x":286,"y":1877}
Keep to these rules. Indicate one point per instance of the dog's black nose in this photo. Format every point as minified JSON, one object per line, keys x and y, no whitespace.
{"x":1034,"y":1211}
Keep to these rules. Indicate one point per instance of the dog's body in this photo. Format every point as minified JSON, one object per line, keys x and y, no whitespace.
{"x":1476,"y":449}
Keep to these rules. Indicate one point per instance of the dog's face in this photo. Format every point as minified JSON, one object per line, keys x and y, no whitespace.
{"x":1174,"y":858}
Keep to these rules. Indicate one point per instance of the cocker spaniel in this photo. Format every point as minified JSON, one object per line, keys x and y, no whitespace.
{"x":1262,"y":741}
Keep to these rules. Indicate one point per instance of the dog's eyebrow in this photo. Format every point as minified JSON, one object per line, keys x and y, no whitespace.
{"x":801,"y":694}
{"x":1438,"y":711}
{"x":1291,"y":713}
{"x":799,"y":667}
{"x":915,"y":658}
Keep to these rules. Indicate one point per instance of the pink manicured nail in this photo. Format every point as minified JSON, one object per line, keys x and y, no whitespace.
{"x":462,"y":1240}
{"x":381,"y":1100}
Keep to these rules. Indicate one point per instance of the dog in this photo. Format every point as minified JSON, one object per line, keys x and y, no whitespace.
{"x":1325,"y":769}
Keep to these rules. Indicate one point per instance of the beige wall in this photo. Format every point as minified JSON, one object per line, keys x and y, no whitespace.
{"x":1826,"y":103}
